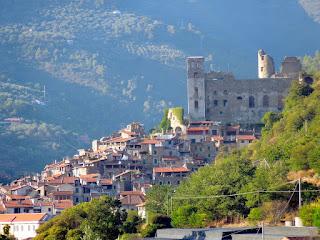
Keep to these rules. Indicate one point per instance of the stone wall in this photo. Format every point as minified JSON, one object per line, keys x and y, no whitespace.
{"x":244,"y":101}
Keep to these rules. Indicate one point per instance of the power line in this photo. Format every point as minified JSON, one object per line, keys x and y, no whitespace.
{"x":241,"y":194}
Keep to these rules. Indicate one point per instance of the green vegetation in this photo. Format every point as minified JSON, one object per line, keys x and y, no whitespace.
{"x":156,"y":222}
{"x":165,"y":122}
{"x":310,"y":214}
{"x":158,"y":199}
{"x":99,"y":219}
{"x":178,"y":113}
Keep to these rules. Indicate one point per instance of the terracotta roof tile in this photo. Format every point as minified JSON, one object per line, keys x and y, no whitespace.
{"x":170,"y":169}
{"x":23,"y":217}
{"x":197,"y":129}
{"x":150,"y":141}
{"x":246,"y":137}
{"x":63,"y":204}
{"x":106,"y":181}
{"x":60,"y":193}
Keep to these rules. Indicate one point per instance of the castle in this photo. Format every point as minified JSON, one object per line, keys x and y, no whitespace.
{"x":218,"y":96}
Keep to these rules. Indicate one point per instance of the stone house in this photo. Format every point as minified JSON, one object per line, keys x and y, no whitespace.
{"x":169,"y":175}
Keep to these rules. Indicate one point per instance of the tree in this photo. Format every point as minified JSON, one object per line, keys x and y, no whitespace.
{"x":132,"y":222}
{"x":157,"y":200}
{"x":99,"y":219}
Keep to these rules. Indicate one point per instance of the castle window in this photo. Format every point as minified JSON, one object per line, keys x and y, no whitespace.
{"x":261,"y":69}
{"x":225,"y":92}
{"x":265,"y":101}
{"x":239,"y":98}
{"x":215,"y":103}
{"x":262,"y":58}
{"x":251,"y":102}
{"x":196,"y":104}
{"x":221,"y":113}
{"x":215,"y":92}
{"x":225,"y":102}
{"x":195,"y":75}
{"x":196,"y":92}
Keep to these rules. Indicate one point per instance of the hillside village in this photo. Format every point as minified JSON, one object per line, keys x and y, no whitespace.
{"x":123,"y":165}
{"x":127,"y":164}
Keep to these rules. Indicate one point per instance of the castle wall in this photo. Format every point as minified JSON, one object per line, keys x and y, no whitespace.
{"x":244,"y":101}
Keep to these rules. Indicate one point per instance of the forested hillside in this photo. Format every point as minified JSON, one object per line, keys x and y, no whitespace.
{"x":27,"y":140}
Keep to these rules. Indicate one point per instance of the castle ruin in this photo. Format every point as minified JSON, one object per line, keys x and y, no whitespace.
{"x":218,"y":96}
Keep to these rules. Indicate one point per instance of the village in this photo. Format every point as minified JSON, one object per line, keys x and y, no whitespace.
{"x":123,"y":165}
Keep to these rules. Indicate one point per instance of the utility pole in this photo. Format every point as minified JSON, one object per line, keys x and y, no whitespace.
{"x":300,"y":199}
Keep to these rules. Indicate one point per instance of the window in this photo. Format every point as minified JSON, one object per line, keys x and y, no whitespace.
{"x":225,"y":92}
{"x":29,"y":228}
{"x":265,"y":101}
{"x":169,"y":183}
{"x":214,"y":92}
{"x":195,"y":75}
{"x":251,"y":102}
{"x":215,"y":103}
{"x":49,"y":209}
{"x":21,"y":227}
{"x":261,"y":69}
{"x":221,"y":113}
{"x":34,"y":227}
{"x":239,"y":98}
{"x":225,"y":102}
{"x":196,"y":104}
{"x":154,"y":152}
{"x":155,"y":161}
{"x":196,"y":92}
{"x":262,"y":57}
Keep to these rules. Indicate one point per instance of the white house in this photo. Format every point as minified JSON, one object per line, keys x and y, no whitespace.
{"x":23,"y":225}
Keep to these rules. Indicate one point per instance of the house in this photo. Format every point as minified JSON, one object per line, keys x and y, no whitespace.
{"x":21,"y":190}
{"x":17,"y":206}
{"x":131,"y":199}
{"x":60,"y":205}
{"x":169,"y":175}
{"x":23,"y":225}
{"x":244,"y":140}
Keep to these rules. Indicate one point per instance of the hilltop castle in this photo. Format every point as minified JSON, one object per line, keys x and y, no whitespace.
{"x":218,"y":96}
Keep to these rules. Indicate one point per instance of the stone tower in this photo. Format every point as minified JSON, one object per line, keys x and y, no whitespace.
{"x":196,"y":88}
{"x":265,"y":65}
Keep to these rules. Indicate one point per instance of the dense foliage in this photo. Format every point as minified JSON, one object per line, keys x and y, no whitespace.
{"x":99,"y":219}
{"x":310,"y":214}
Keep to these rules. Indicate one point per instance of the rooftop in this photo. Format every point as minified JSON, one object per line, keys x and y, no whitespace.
{"x":23,"y":217}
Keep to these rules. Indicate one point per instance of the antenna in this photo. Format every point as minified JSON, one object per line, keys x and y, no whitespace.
{"x":44,"y":93}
